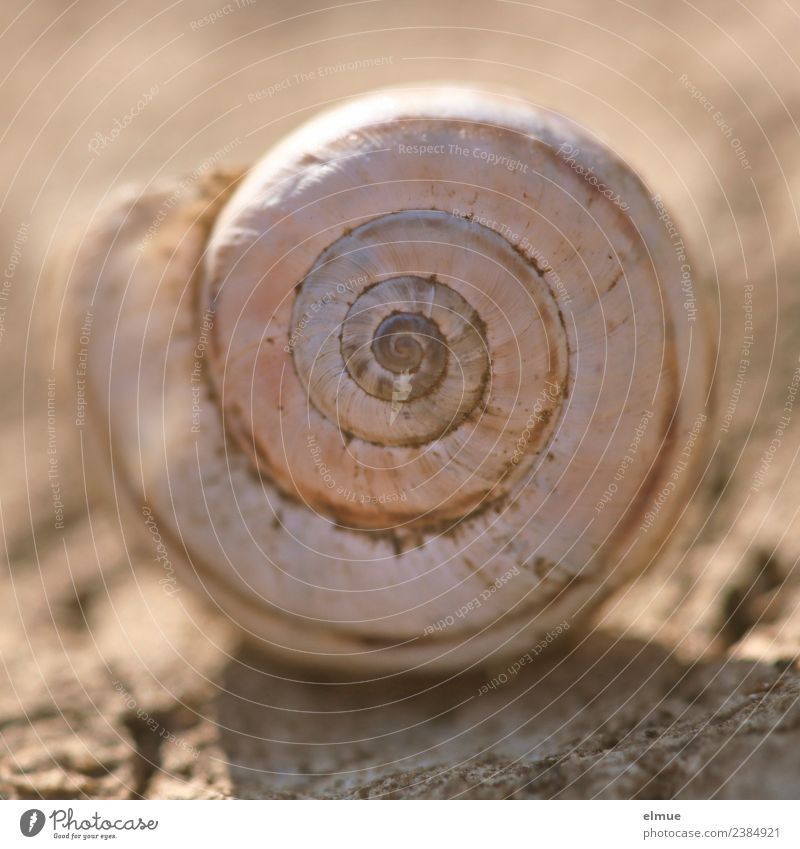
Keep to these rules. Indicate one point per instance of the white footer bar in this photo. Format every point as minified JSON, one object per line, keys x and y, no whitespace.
{"x":401,"y":825}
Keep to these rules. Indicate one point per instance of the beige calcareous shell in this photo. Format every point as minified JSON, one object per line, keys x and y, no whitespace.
{"x":424,"y":384}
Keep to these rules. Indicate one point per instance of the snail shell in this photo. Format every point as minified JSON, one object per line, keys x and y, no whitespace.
{"x":414,"y":391}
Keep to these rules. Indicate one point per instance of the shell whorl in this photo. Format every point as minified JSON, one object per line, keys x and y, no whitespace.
{"x":440,"y":329}
{"x":397,"y":377}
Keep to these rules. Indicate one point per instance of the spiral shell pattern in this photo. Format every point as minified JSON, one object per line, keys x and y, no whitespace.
{"x":446,"y":367}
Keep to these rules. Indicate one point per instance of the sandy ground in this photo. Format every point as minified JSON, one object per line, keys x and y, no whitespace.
{"x":689,"y":689}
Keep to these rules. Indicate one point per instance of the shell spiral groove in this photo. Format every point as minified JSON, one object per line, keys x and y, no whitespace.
{"x":414,"y":391}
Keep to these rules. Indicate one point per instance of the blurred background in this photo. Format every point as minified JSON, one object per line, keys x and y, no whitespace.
{"x":112,"y":690}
